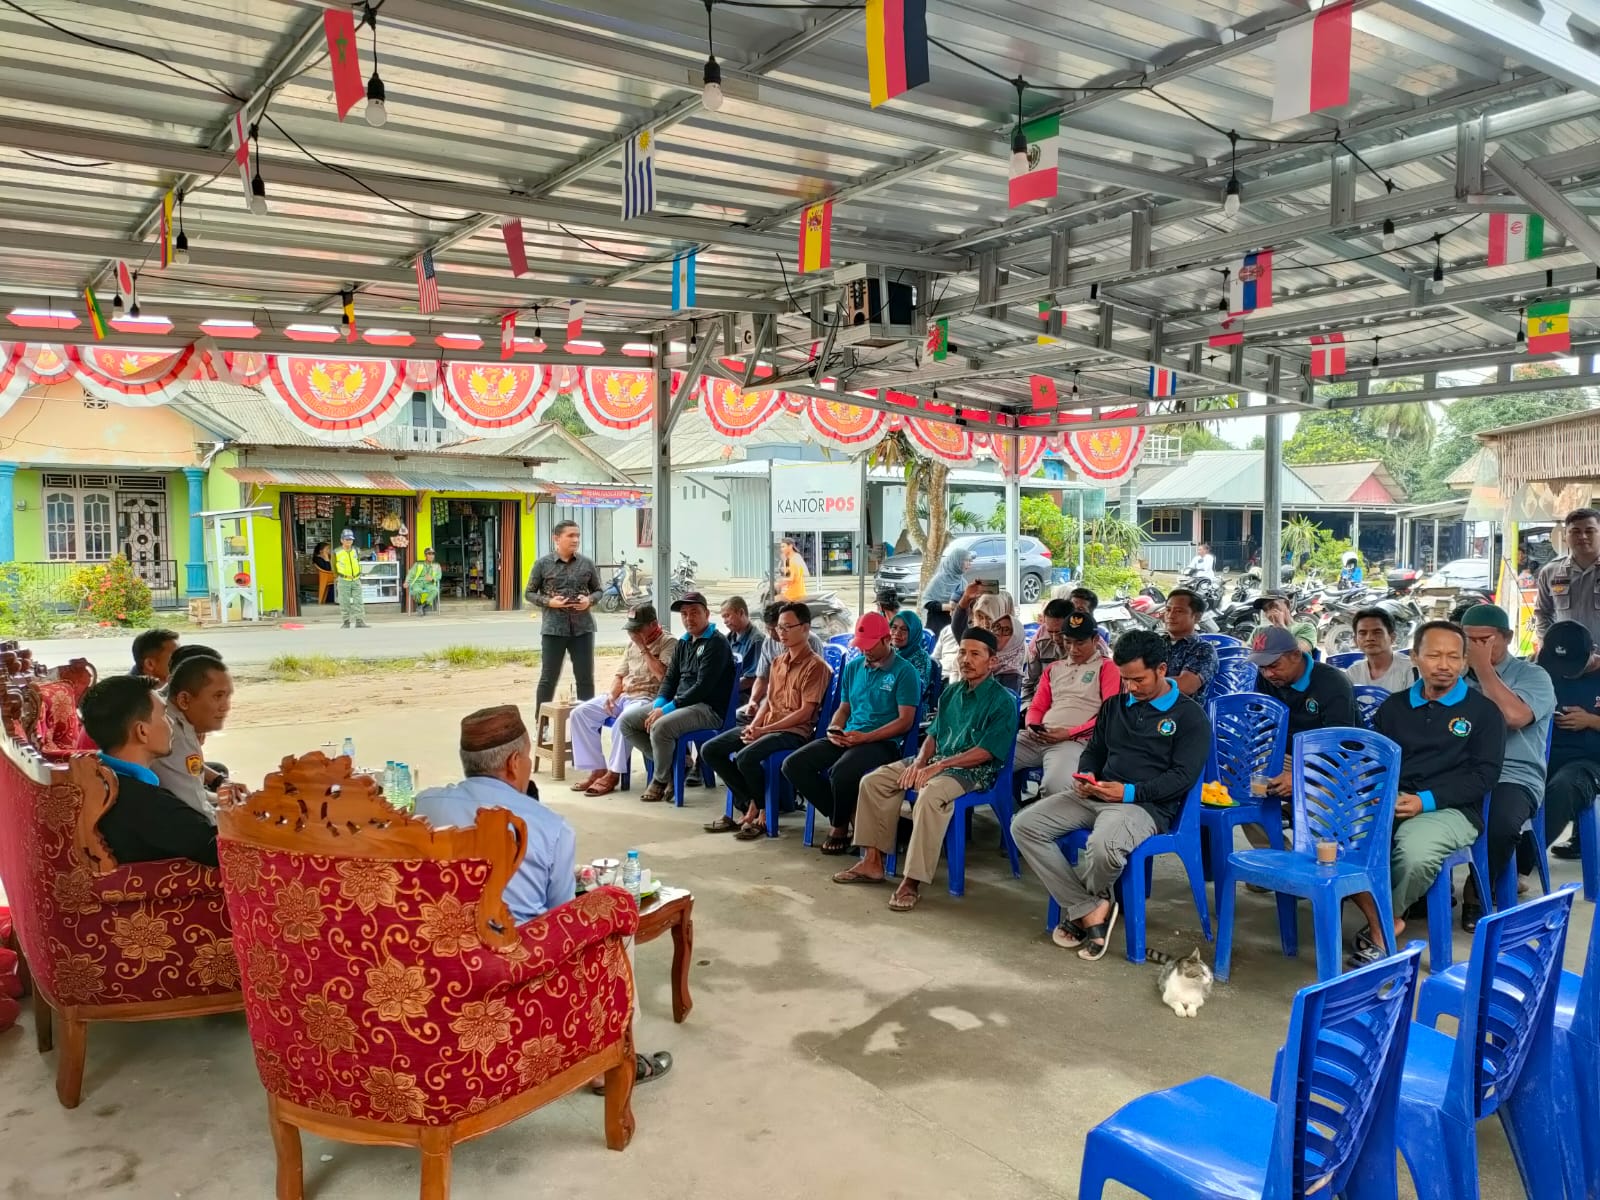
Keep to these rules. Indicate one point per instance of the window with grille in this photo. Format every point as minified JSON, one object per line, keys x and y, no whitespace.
{"x":79,"y":526}
{"x":1166,"y":521}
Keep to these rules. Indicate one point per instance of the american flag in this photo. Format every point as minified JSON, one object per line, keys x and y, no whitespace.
{"x":427,"y":284}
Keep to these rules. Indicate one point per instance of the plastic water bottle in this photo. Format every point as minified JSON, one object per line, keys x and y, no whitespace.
{"x":390,"y":779}
{"x":630,"y":873}
{"x":402,"y":786}
{"x":349,"y":749}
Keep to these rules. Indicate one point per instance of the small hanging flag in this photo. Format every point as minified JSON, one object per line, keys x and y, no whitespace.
{"x":1053,"y":318}
{"x":1549,"y":331}
{"x":516,"y":249}
{"x":347,"y":301}
{"x":1327,"y":355}
{"x":97,"y":316}
{"x":683,"y":281}
{"x":1312,"y":60}
{"x":939,"y":339}
{"x":1250,"y":287}
{"x":1515,"y":238}
{"x":1044,"y":391}
{"x":816,"y":237}
{"x":427,"y":284}
{"x":897,"y":47}
{"x":241,"y":155}
{"x":165,"y":231}
{"x":1228,"y":337}
{"x":639,"y":175}
{"x":1162,"y":382}
{"x":1039,"y":179}
{"x":574,"y":320}
{"x":339,"y":25}
{"x":124,"y":278}
{"x":508,"y":335}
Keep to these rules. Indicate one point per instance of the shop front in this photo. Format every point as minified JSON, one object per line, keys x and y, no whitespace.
{"x":820,"y":508}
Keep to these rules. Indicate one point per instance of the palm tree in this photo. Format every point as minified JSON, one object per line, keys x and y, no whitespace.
{"x":1299,"y":537}
{"x":927,"y":489}
{"x":1409,"y":421}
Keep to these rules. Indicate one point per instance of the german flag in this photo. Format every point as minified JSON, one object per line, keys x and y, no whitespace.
{"x":897,"y":47}
{"x":97,"y":316}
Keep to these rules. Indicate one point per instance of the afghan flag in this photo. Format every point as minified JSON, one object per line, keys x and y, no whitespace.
{"x":816,"y":237}
{"x":165,"y":231}
{"x":939,"y":339}
{"x":897,"y":47}
{"x":97,"y":316}
{"x":1312,"y":60}
{"x":1515,"y":238}
{"x":339,"y":25}
{"x":1039,"y":179}
{"x":1548,"y":329}
{"x":1044,"y":391}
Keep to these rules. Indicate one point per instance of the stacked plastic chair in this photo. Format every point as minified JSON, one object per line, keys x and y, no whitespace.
{"x":1348,"y":658}
{"x":1369,"y":699}
{"x":1250,"y":733}
{"x":1328,"y":1129}
{"x":1235,"y":673}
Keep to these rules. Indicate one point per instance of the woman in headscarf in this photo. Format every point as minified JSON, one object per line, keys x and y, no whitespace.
{"x":905,"y":634}
{"x":946,"y":586}
{"x":998,"y":614}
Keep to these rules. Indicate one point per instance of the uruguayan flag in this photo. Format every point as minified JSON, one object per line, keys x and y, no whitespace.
{"x":683,"y":281}
{"x":639,"y":175}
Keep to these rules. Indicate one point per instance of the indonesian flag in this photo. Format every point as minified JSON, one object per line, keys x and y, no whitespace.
{"x":1044,"y":391}
{"x":574,"y":320}
{"x":241,"y":155}
{"x":1250,"y":286}
{"x":1515,"y":238}
{"x":1163,"y":382}
{"x":1313,"y":63}
{"x":1327,"y":355}
{"x":508,"y":335}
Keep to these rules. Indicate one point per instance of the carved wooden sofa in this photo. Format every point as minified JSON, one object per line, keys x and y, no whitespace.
{"x":391,"y":999}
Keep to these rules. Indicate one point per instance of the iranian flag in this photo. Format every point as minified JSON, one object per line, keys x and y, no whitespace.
{"x":1038,"y":180}
{"x":1515,"y":238}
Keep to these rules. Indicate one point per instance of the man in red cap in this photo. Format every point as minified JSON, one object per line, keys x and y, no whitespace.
{"x":877,"y":705}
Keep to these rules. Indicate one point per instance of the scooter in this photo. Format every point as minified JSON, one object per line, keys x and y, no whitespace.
{"x":683,"y":576}
{"x":830,"y":616}
{"x":611,"y":598}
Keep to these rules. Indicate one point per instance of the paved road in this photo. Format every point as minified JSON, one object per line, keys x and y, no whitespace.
{"x":384,"y":638}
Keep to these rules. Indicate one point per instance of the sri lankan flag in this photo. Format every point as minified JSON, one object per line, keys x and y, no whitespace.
{"x":897,"y":47}
{"x":939,"y":339}
{"x":1548,"y":329}
{"x":816,"y":237}
{"x":97,"y":316}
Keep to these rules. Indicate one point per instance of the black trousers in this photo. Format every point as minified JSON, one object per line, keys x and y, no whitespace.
{"x":1570,"y":790}
{"x":828,"y":777}
{"x":1510,"y":804}
{"x":740,"y":764}
{"x":553,"y":649}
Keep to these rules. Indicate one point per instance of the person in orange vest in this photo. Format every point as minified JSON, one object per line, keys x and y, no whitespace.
{"x":794,"y":574}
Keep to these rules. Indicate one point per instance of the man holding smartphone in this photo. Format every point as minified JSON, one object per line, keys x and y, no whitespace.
{"x":564,"y":586}
{"x":1065,"y":703}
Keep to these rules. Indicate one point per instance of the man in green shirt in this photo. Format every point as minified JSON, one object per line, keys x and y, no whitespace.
{"x":964,"y":751}
{"x":1273,"y":609}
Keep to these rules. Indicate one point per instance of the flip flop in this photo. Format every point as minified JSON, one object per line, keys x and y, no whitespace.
{"x":1069,"y":935}
{"x":1099,"y":937}
{"x":751,"y":832}
{"x":647,"y":1068}
{"x":851,"y":876}
{"x":904,"y":901}
{"x":722,"y":825}
{"x":836,"y":845}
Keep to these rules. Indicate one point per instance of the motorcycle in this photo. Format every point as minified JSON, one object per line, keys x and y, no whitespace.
{"x":683,"y":576}
{"x":1337,"y":631}
{"x":636,"y":592}
{"x":1204,"y":586}
{"x":611,"y":598}
{"x":830,"y":616}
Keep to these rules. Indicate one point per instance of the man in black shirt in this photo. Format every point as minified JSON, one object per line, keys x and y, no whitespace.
{"x":1147,"y":750}
{"x":1317,"y":696}
{"x":126,"y":718}
{"x":1574,"y":769}
{"x":1452,"y":743}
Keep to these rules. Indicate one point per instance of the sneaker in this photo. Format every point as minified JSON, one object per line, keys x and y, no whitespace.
{"x":361,"y":624}
{"x":1568,"y":851}
{"x":346,"y":625}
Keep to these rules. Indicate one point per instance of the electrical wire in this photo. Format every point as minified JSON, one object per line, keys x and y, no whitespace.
{"x":61,"y":162}
{"x":1296,"y":265}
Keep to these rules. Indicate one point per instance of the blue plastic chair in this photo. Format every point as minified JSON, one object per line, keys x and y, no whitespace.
{"x":1328,"y":1129}
{"x":908,"y":749}
{"x":1441,"y":938}
{"x":1346,"y":782}
{"x":835,"y":656}
{"x":929,"y":641}
{"x":840,"y":639}
{"x":998,"y":797}
{"x":1369,"y":699}
{"x":1250,"y":733}
{"x":1587,"y":827}
{"x":1235,"y":673}
{"x":1182,"y":839}
{"x":1220,"y":639}
{"x":697,"y":738}
{"x":1502,"y":1054}
{"x":1347,"y":659}
{"x":1239,"y":651}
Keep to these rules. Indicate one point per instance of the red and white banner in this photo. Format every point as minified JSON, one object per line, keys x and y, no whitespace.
{"x":613,"y":402}
{"x":949,"y":443}
{"x":1327,"y":355}
{"x":336,"y":399}
{"x":846,"y":426}
{"x":499,"y":399}
{"x":1312,"y":62}
{"x":139,"y":378}
{"x":734,"y":413}
{"x":14,"y":377}
{"x":1102,"y":453}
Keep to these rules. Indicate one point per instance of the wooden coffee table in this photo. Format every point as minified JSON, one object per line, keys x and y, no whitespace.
{"x":672,"y":908}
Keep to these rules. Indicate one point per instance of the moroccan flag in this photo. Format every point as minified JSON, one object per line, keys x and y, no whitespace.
{"x":1039,"y":179}
{"x":508,"y":335}
{"x":1312,"y":60}
{"x":1548,"y":329}
{"x":347,"y":302}
{"x":939,"y":339}
{"x":897,"y":47}
{"x":816,"y":237}
{"x":1044,"y":391}
{"x":1515,"y":238}
{"x":97,"y":316}
{"x":1327,"y":355}
{"x":165,"y":230}
{"x":340,"y":26}
{"x":516,"y":248}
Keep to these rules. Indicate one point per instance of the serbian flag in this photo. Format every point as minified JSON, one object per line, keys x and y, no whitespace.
{"x":574,"y":320}
{"x":165,"y":231}
{"x":1044,"y":391}
{"x":1327,"y":355}
{"x":897,"y":47}
{"x":241,"y":154}
{"x":1313,"y":63}
{"x":816,"y":237}
{"x":516,"y":248}
{"x":1162,"y":382}
{"x":1250,"y":286}
{"x":340,"y":26}
{"x":508,"y":335}
{"x":1515,"y":238}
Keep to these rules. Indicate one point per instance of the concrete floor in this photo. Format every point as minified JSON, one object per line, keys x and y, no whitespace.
{"x":835,"y":1048}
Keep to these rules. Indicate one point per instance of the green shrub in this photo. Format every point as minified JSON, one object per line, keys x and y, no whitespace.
{"x":27,"y":601}
{"x":110,"y":593}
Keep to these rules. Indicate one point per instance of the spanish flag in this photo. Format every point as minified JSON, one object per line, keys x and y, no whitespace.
{"x":1548,"y":327}
{"x":166,"y":230}
{"x":97,"y":316}
{"x":816,"y":237}
{"x":897,"y":47}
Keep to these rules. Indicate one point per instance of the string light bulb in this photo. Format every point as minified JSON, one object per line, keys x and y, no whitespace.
{"x":1389,"y":238}
{"x":1375,"y":342}
{"x":258,"y":186}
{"x":116,"y":302}
{"x":1222,"y":304}
{"x":133,"y":309}
{"x":538,"y":332}
{"x":711,"y":89}
{"x":1019,"y":140}
{"x":1438,"y":263}
{"x":377,"y":112}
{"x":180,"y":244}
{"x":1233,"y":196}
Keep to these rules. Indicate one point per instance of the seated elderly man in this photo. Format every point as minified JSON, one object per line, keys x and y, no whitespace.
{"x":1064,"y":707}
{"x":497,"y":762}
{"x":744,"y":639}
{"x":127,"y":719}
{"x":1452,"y":743}
{"x":964,"y":751}
{"x":199,"y":696}
{"x":638,"y":679}
{"x":1147,"y":750}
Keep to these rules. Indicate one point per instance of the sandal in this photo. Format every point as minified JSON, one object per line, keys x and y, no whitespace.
{"x":646,"y":1069}
{"x":904,"y":901}
{"x":1098,"y":937}
{"x":751,"y":831}
{"x":1069,"y":935}
{"x":855,"y":876}
{"x":836,"y":845}
{"x":722,"y":825}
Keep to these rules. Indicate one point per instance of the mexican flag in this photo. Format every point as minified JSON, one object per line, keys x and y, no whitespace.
{"x":1039,"y":179}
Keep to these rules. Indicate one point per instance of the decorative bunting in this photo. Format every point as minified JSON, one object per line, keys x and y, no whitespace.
{"x":1549,"y":328}
{"x":1038,"y":178}
{"x":495,"y":398}
{"x":1327,"y":355}
{"x":137,"y":378}
{"x":612,"y":401}
{"x":939,"y":339}
{"x":1312,"y":60}
{"x":948,"y":443}
{"x":1515,"y":238}
{"x":683,"y":281}
{"x":897,"y":48}
{"x":422,"y":374}
{"x":639,"y":175}
{"x":1101,"y":453}
{"x":846,"y":426}
{"x":516,"y":248}
{"x":336,"y":400}
{"x":508,"y":335}
{"x":816,"y":237}
{"x":14,"y":377}
{"x":1250,"y":287}
{"x":1030,"y":452}
{"x":733,"y":412}
{"x":340,"y":27}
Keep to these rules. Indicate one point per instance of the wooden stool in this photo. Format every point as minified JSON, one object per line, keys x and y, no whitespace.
{"x":556,"y":748}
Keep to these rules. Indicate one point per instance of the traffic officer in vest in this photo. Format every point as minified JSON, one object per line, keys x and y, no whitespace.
{"x":347,"y":570}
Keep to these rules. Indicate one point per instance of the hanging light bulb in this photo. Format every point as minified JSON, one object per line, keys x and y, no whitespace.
{"x":1375,"y":342}
{"x":377,"y":112}
{"x":1389,"y":239}
{"x":1222,"y":304}
{"x":116,"y":302}
{"x":1234,"y":195}
{"x":711,"y":91}
{"x":1438,"y":263}
{"x":258,"y":194}
{"x":538,"y":333}
{"x":180,"y":244}
{"x":133,"y":310}
{"x":1019,"y":140}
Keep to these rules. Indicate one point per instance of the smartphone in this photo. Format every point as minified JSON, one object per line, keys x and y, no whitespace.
{"x":991,"y":587}
{"x":1081,"y":778}
{"x":1035,"y":728}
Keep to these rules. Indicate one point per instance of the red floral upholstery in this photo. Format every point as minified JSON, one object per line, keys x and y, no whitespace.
{"x":56,"y":729}
{"x":370,"y":994}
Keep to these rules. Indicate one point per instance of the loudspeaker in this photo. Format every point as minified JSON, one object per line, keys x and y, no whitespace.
{"x":863,"y":306}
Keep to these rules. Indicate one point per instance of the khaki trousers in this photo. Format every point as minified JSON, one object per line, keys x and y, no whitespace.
{"x":878,"y":817}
